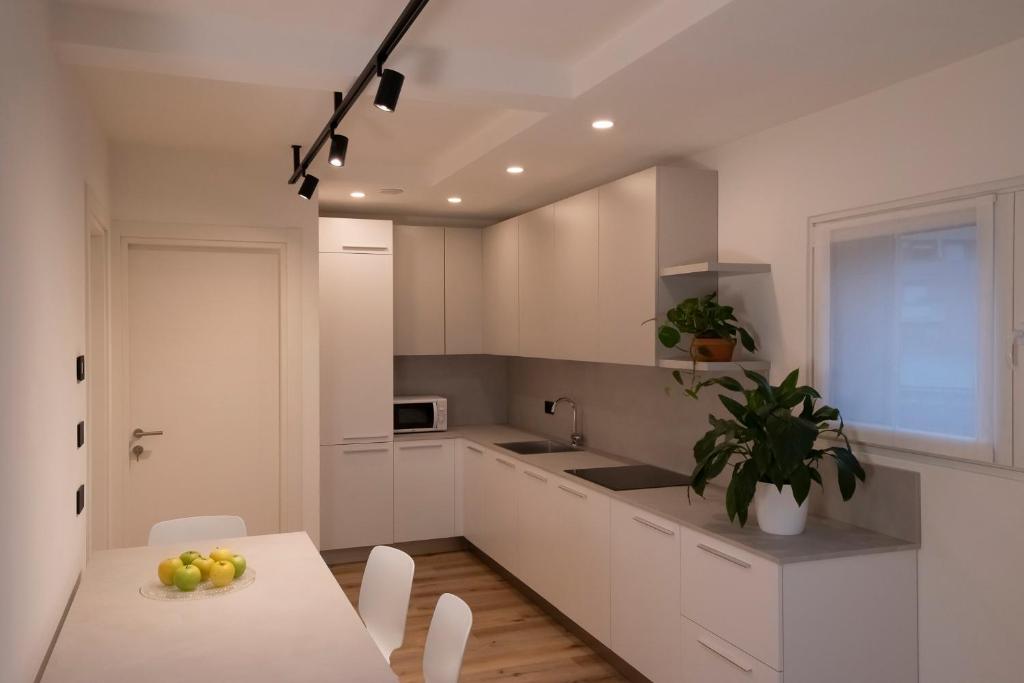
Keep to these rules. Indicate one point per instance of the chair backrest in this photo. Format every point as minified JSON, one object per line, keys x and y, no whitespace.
{"x":446,"y":640}
{"x":384,"y":596}
{"x":196,"y":529}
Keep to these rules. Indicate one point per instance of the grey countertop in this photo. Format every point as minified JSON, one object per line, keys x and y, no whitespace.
{"x":823,"y":539}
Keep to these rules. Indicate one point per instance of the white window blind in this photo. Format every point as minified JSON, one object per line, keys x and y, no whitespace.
{"x":903,"y":326}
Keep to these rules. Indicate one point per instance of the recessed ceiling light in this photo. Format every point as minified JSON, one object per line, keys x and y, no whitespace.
{"x":514,"y":170}
{"x":357,"y":195}
{"x":603,"y":124}
{"x":455,"y":200}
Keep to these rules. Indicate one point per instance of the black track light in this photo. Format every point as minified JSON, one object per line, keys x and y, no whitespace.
{"x":389,"y":89}
{"x":308,"y":187}
{"x":339,"y":148}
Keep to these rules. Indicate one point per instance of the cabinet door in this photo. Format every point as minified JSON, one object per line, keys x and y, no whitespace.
{"x":645,"y":611}
{"x":463,"y":291}
{"x":627,"y":269}
{"x":355,"y":236}
{"x":537,"y":266}
{"x":424,"y":490}
{"x":575,"y":294}
{"x":356,"y":341}
{"x":356,"y":495}
{"x":475,"y":507}
{"x":501,"y":288}
{"x":501,"y":497}
{"x":581,"y":517}
{"x":707,"y":658}
{"x":419,"y":291}
{"x":537,"y":537}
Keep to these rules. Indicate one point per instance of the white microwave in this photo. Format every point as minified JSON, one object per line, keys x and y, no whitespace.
{"x":420,"y":414}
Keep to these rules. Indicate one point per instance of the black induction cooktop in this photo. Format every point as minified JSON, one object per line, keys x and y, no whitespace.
{"x":630,"y":477}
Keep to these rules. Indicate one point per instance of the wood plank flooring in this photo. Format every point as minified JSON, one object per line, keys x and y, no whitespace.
{"x":511,"y":637}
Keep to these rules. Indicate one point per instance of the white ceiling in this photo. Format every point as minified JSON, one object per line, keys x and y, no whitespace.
{"x":492,"y":83}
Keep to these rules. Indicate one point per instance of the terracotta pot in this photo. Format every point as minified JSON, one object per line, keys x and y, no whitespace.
{"x":712,"y":350}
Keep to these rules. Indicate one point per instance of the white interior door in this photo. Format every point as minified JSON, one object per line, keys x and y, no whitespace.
{"x":203,"y":340}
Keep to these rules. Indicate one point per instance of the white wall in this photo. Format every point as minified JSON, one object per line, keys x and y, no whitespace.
{"x":49,"y":150}
{"x":960,"y":125}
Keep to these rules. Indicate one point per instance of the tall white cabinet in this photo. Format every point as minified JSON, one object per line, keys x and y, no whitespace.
{"x":356,"y":382}
{"x":501,"y":288}
{"x":419,"y":290}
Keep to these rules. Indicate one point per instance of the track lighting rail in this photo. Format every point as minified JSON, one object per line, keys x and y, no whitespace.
{"x":373,"y":68}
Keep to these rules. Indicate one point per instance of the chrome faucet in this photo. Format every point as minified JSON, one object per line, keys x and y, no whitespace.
{"x":575,"y":439}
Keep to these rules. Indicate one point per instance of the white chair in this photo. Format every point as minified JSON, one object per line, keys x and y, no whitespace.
{"x":187,"y":529}
{"x":446,"y":640}
{"x":384,"y":596}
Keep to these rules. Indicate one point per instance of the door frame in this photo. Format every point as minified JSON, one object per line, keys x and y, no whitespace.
{"x":295,"y":458}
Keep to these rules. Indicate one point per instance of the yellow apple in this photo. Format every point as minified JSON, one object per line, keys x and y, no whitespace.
{"x":187,"y":577}
{"x":204,"y":564}
{"x":221,"y":554}
{"x":167,"y":568}
{"x":222,"y":573}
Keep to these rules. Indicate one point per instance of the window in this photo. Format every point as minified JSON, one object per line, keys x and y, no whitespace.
{"x":905,"y":326}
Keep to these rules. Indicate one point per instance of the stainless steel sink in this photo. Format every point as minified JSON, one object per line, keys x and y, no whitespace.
{"x":535,"y":447}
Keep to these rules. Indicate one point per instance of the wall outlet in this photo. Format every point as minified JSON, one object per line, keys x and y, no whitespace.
{"x":80,"y":499}
{"x":81,"y":434}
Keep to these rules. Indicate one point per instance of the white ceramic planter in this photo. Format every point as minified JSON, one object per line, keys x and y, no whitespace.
{"x":778,"y":513}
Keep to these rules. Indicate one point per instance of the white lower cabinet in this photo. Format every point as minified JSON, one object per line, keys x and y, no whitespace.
{"x":356,"y":495}
{"x":536,"y":537}
{"x":645,"y":606}
{"x":424,"y":490}
{"x":501,"y":497}
{"x":476,"y":510}
{"x":706,"y":658}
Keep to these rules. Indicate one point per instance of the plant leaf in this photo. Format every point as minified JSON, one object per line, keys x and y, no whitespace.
{"x":669,"y":336}
{"x":800,"y":480}
{"x":746,"y":340}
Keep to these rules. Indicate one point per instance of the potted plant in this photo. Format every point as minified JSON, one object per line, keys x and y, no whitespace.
{"x":771,"y":443}
{"x":712,"y":325}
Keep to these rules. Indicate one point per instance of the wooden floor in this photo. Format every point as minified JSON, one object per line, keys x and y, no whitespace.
{"x":511,"y":637}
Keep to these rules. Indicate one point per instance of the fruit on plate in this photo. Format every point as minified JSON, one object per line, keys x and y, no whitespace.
{"x":204,"y":564}
{"x":239,"y":562}
{"x":167,"y":568}
{"x":222,"y":573}
{"x":188,"y":556}
{"x":221,"y":554}
{"x":187,"y":577}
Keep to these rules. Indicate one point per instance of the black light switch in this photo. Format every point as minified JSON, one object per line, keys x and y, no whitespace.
{"x":80,"y":499}
{"x":81,"y":434}
{"x":80,"y":368}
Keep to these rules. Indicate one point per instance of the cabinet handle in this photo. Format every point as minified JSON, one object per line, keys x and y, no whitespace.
{"x":369,"y":436}
{"x":476,"y":450}
{"x":357,"y":247}
{"x":506,"y":463}
{"x":720,"y":554}
{"x":724,"y":656}
{"x":377,"y":449}
{"x":534,"y":475}
{"x":656,"y":527}
{"x":417,"y":446}
{"x":575,"y":493}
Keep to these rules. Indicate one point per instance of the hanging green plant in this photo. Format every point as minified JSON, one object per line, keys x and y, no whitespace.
{"x":713,"y":327}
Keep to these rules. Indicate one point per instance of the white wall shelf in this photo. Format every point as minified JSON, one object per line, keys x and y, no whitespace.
{"x":715,"y":267}
{"x":698,"y":366}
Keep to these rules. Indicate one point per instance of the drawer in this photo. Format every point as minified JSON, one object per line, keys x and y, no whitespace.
{"x":734,"y":594}
{"x":709,"y":659}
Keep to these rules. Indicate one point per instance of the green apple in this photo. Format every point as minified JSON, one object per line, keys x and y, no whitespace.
{"x":222,"y":573}
{"x":187,"y":577}
{"x":221,"y":554}
{"x":204,"y":564}
{"x":188,"y":556}
{"x":167,"y":568}
{"x":239,"y":563}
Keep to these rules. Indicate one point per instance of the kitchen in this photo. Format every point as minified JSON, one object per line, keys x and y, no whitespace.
{"x":482,"y":350}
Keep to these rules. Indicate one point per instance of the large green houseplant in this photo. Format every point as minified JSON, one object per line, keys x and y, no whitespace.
{"x":771,"y":438}
{"x":714,"y":328}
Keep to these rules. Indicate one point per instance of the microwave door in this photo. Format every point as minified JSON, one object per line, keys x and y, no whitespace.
{"x":414,"y":417}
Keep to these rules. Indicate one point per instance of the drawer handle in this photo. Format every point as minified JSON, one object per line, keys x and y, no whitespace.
{"x":724,"y":656}
{"x":656,"y":527}
{"x":357,"y":247}
{"x":506,"y":463}
{"x":415,"y":446}
{"x":377,"y":449}
{"x":369,"y":436}
{"x":534,"y":475}
{"x":720,"y":554}
{"x":571,"y":491}
{"x":479,"y":451}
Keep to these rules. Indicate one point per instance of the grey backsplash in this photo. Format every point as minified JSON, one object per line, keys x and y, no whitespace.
{"x":476,"y":386}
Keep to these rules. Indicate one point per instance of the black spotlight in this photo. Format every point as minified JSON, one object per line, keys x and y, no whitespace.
{"x":339,"y":148}
{"x":308,"y":186}
{"x":388,"y":90}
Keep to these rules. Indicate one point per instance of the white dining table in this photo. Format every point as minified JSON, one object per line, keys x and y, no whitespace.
{"x":293,"y":623}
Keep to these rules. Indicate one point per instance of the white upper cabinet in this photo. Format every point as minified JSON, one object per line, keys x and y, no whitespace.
{"x":501,"y":288}
{"x":419,"y":291}
{"x":356,"y":235}
{"x":574,"y":296}
{"x":463,"y":295}
{"x":537,"y":263}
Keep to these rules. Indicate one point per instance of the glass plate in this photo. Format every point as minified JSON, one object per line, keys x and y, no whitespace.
{"x":158,"y":591}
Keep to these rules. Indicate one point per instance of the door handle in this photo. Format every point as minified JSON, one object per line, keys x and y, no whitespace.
{"x":139,"y":433}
